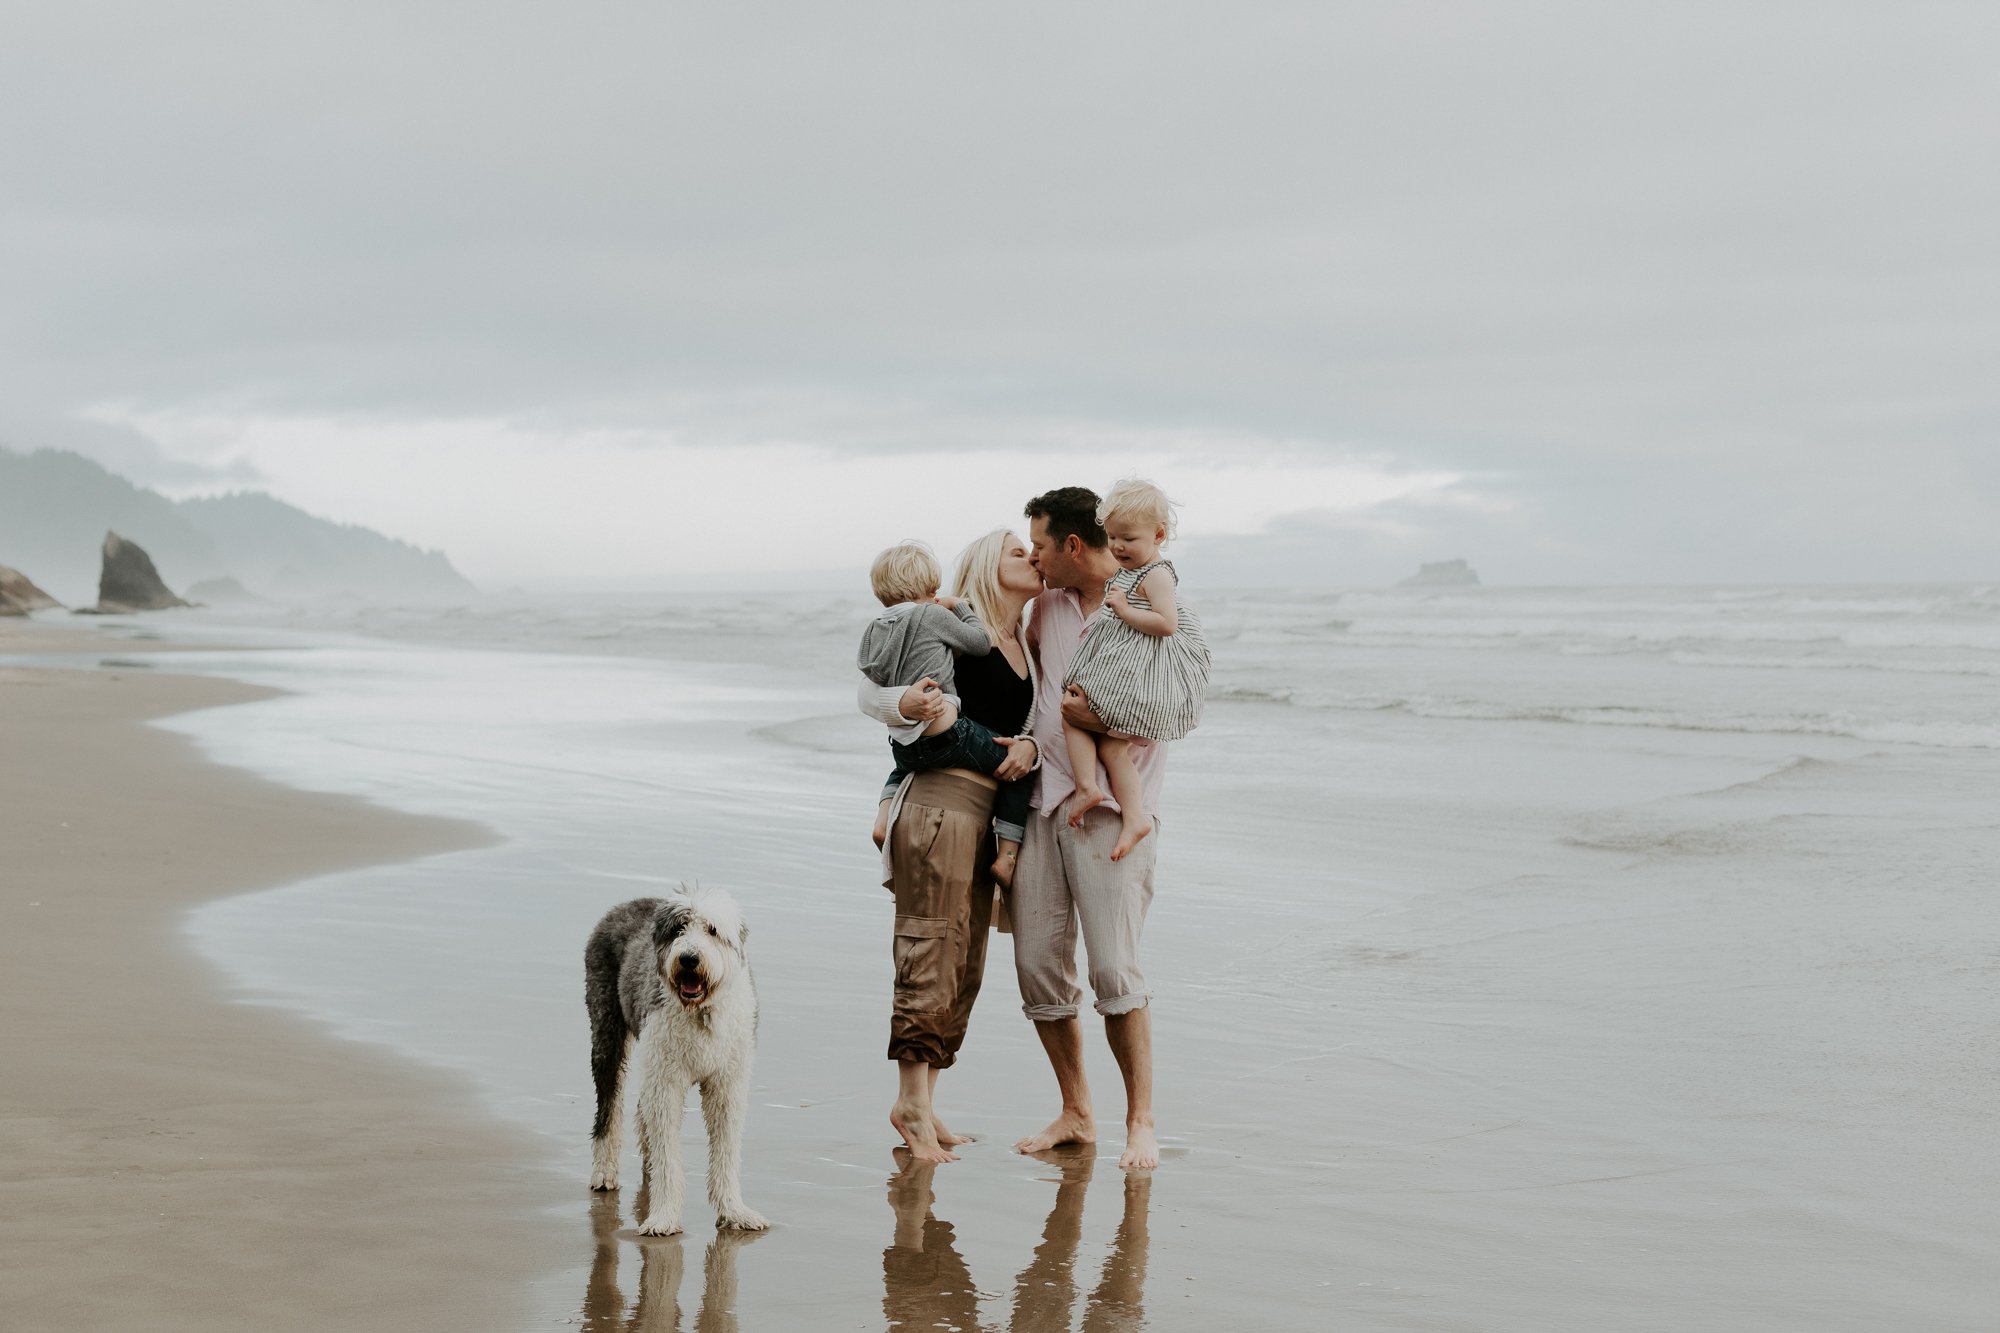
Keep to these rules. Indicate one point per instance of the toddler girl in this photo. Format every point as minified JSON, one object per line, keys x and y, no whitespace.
{"x":1143,"y":662}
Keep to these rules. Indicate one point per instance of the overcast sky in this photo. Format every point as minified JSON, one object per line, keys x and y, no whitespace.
{"x":650,"y":292}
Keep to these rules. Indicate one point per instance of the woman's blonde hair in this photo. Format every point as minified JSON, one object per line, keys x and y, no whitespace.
{"x":978,"y":581}
{"x":906,"y":572}
{"x":1137,"y":498}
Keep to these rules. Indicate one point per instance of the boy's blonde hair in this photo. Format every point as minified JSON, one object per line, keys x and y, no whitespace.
{"x":1137,"y":498}
{"x":906,"y":572}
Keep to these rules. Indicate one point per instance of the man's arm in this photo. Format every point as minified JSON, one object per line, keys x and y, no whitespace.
{"x":1076,"y":711}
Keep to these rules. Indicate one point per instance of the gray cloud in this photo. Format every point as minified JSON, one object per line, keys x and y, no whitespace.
{"x":1694,"y":279}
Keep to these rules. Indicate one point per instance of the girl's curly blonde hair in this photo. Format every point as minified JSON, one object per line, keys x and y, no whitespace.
{"x":1136,"y":498}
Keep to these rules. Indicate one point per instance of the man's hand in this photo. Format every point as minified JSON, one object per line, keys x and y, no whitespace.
{"x":1077,"y":712}
{"x":922,"y":702}
{"x":1021,"y":752}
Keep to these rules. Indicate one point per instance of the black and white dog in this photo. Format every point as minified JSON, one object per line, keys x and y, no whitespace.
{"x":671,"y":973}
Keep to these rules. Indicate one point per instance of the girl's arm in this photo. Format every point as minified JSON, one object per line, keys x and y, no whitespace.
{"x":1159,"y":622}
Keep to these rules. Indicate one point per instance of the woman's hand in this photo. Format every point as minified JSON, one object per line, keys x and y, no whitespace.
{"x":1020,"y":760}
{"x":922,"y":702}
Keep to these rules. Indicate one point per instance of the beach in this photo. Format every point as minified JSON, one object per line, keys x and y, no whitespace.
{"x":173,"y":1160}
{"x":1523,"y":959}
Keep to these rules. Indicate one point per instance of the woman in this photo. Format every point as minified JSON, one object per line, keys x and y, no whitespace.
{"x":940,"y":845}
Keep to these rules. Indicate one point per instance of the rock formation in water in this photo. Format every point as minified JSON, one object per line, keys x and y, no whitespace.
{"x":129,"y":581}
{"x":19,"y":595}
{"x":1442,"y":574}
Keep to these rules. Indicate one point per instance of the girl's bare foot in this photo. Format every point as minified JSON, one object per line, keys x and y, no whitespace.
{"x":1129,"y":834}
{"x":945,"y":1137}
{"x":1081,"y":804}
{"x":1142,"y":1148}
{"x":1069,"y":1127}
{"x":919,"y":1129}
{"x":1003,"y":865}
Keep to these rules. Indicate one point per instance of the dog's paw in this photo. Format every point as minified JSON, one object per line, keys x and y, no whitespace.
{"x":660,"y":1226}
{"x":741,"y":1218}
{"x":604,"y":1180}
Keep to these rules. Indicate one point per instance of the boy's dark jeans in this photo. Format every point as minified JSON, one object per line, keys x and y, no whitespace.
{"x":967,"y":745}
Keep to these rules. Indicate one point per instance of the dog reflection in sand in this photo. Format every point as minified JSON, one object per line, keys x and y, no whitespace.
{"x":671,"y":977}
{"x":926,"y":1283}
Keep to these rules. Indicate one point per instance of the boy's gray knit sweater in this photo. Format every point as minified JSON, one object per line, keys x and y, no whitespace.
{"x":911,"y":640}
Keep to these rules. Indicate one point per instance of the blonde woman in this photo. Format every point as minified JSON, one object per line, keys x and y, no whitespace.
{"x":939,"y":848}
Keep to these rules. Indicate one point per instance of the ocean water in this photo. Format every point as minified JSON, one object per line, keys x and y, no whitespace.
{"x":1523,"y":959}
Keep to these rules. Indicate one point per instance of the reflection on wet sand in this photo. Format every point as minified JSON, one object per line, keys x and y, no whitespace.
{"x":926,"y":1283}
{"x":658,"y":1308}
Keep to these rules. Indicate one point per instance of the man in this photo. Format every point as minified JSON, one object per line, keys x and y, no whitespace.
{"x":1067,"y":880}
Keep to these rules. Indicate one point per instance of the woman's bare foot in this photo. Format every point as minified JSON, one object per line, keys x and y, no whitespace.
{"x":1129,"y":834}
{"x":1142,"y":1147}
{"x":1069,"y":1127}
{"x":1003,"y":864}
{"x":919,"y":1129}
{"x":1081,"y":804}
{"x":945,"y":1137}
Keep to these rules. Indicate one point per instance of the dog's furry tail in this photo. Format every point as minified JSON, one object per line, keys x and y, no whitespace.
{"x":609,"y":1032}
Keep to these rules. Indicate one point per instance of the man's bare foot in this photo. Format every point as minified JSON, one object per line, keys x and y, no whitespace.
{"x":1081,"y":804}
{"x":919,"y":1129}
{"x":1142,"y":1148}
{"x":1129,"y":834}
{"x":1003,"y":865}
{"x":1069,"y":1127}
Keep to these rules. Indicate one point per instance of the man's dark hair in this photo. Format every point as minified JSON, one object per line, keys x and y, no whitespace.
{"x":1070,"y":511}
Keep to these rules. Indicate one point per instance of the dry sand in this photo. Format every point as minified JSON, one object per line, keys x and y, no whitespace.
{"x":170,"y":1159}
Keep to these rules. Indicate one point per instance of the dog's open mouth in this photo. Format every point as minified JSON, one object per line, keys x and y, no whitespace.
{"x":691,"y":989}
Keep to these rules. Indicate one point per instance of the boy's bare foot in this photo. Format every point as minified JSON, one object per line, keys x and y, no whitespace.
{"x":1069,"y":1127}
{"x":1142,"y":1148}
{"x":1081,"y":804}
{"x":1003,"y":865}
{"x":1129,"y":834}
{"x":919,"y":1130}
{"x":881,"y":834}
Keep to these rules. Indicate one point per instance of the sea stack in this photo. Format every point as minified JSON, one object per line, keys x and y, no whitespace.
{"x":19,"y":595}
{"x":1442,"y":574}
{"x":129,"y":581}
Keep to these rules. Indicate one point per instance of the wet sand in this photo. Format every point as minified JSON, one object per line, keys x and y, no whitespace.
{"x":170,"y":1159}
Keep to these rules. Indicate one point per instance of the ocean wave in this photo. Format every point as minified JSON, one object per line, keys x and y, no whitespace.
{"x":1956,"y":667}
{"x":1944,"y":735}
{"x":1252,"y":694}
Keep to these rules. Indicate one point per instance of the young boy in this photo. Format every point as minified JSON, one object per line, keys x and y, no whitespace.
{"x":913,"y":639}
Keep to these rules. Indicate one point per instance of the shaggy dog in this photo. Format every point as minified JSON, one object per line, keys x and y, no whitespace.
{"x":671,"y":974}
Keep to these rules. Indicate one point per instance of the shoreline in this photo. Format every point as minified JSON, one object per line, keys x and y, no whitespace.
{"x":173,"y":1158}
